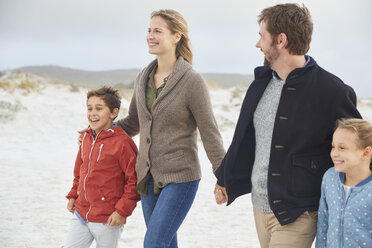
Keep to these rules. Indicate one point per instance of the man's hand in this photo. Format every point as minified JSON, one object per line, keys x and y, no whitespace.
{"x":80,"y":133}
{"x":115,"y":219}
{"x":71,"y":205}
{"x":220,"y":194}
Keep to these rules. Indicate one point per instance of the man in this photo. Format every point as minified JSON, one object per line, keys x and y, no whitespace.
{"x":280,"y":149}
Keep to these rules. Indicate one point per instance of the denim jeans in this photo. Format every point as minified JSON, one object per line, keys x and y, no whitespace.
{"x":165,"y":212}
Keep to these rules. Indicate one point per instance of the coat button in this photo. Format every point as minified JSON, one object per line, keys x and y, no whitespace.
{"x":103,"y":198}
{"x":313,"y":165}
{"x":160,"y":184}
{"x":149,"y":118}
{"x":148,"y":164}
{"x":148,"y":140}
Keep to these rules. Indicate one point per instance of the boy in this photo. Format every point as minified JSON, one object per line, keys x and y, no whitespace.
{"x":104,"y":191}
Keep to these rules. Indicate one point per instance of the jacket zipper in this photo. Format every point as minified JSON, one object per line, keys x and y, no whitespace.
{"x":100,"y":149}
{"x":85,"y":179}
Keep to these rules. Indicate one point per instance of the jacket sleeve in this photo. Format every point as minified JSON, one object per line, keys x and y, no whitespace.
{"x":130,"y":123}
{"x":73,"y":192}
{"x":130,"y":197}
{"x":347,"y":105}
{"x":220,"y":172}
{"x":322,"y":228}
{"x":201,"y":108}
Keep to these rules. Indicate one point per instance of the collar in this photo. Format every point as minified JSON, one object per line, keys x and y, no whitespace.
{"x":263,"y":71}
{"x":360,"y":184}
{"x":151,"y":80}
{"x":110,"y":129}
{"x":181,"y":67}
{"x":276,"y":76}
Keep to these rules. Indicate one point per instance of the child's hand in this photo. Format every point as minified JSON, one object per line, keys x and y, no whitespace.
{"x":71,"y":205}
{"x":80,"y":133}
{"x":115,"y":219}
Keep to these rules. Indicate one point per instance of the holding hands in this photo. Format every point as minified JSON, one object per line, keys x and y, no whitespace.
{"x":220,"y":194}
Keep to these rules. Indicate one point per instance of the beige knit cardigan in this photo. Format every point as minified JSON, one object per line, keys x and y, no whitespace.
{"x":168,"y":136}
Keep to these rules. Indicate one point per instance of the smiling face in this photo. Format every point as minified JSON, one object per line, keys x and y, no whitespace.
{"x":346,"y":154}
{"x":99,"y":115}
{"x":265,"y":43}
{"x":160,"y":39}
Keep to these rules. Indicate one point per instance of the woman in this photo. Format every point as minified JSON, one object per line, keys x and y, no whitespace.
{"x":169,"y":103}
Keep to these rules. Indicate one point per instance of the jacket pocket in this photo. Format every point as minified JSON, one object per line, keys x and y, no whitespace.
{"x":103,"y":205}
{"x":307,"y":173}
{"x":174,"y":156}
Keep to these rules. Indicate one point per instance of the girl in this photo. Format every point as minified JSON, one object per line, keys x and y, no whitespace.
{"x":345,"y":209}
{"x":170,"y":101}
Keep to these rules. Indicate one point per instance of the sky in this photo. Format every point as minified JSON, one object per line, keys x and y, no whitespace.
{"x":110,"y":34}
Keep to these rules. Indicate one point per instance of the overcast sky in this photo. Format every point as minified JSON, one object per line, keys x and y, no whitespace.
{"x":110,"y":34}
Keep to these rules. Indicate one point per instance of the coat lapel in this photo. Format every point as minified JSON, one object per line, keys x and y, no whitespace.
{"x":251,"y":100}
{"x":142,"y":82}
{"x":180,"y":68}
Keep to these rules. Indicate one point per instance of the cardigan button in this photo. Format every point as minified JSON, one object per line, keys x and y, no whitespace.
{"x":149,"y":118}
{"x":103,"y":198}
{"x":148,"y":164}
{"x":148,"y":140}
{"x":160,"y":184}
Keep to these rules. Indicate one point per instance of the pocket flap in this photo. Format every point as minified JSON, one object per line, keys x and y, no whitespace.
{"x":313,"y":163}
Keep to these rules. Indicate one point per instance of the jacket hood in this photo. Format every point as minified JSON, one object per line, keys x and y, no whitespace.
{"x":115,"y":131}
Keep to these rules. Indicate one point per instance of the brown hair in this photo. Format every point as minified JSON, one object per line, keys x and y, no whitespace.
{"x":292,"y":20}
{"x":177,"y":24}
{"x":362,"y":128}
{"x":109,"y":95}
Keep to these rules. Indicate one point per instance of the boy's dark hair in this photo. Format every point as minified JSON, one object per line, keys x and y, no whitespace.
{"x":108,"y":94}
{"x":292,"y":20}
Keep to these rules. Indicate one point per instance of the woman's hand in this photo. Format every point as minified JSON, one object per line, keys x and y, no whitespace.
{"x":80,"y":133}
{"x":220,"y":194}
{"x":71,"y":205}
{"x":115,"y":219}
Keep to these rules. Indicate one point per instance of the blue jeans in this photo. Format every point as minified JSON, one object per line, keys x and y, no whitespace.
{"x":165,"y":212}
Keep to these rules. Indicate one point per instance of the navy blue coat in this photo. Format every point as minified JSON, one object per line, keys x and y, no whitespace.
{"x":311,"y":101}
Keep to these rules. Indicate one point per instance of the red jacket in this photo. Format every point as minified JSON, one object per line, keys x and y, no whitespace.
{"x":105,"y":177}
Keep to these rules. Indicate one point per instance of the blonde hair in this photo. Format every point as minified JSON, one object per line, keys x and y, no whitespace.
{"x":362,"y":128}
{"x":177,"y":24}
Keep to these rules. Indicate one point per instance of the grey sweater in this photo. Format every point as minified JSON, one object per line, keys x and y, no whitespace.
{"x":263,"y":121}
{"x":168,"y":137}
